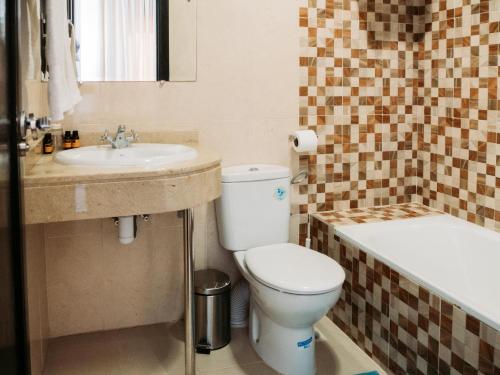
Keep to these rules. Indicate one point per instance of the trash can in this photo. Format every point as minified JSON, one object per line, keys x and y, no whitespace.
{"x":212,"y":310}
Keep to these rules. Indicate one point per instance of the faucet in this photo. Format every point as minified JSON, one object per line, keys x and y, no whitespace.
{"x":121,"y":139}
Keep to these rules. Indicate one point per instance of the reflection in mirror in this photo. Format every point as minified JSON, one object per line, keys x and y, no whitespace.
{"x":134,"y":40}
{"x":116,"y":40}
{"x":29,"y":40}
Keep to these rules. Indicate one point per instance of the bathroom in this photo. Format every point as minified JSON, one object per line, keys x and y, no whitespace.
{"x":373,"y":124}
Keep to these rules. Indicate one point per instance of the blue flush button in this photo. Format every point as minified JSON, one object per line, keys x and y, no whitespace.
{"x":280,"y":193}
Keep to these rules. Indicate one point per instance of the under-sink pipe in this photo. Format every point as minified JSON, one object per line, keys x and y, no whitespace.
{"x":127,"y":229}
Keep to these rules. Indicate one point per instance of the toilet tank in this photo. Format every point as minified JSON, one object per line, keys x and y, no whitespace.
{"x":254,"y":208}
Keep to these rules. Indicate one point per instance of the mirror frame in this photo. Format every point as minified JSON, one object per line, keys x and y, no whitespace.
{"x":162,"y":41}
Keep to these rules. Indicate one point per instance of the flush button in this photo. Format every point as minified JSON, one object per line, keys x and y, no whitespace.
{"x":280,"y":193}
{"x":253,"y":169}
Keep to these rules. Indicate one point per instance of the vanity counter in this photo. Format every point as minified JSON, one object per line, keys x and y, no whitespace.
{"x":46,"y":171}
{"x":54,"y":192}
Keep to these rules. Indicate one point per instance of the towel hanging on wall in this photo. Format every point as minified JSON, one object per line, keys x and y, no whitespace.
{"x":63,"y":87}
{"x":30,"y":36}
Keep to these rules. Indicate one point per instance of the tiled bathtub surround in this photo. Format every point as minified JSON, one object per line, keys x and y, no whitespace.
{"x":358,"y":85}
{"x":401,"y":324}
{"x":404,"y":97}
{"x":459,"y":135}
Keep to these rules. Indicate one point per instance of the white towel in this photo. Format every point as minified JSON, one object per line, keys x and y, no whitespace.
{"x":32,"y":35}
{"x":63,"y":87}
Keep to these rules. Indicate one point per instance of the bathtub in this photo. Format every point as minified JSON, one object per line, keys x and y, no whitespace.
{"x":452,"y":258}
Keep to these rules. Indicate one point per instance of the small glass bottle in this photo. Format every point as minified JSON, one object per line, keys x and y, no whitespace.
{"x":57,"y":136}
{"x":67,"y":140}
{"x":75,"y":139}
{"x":48,"y":144}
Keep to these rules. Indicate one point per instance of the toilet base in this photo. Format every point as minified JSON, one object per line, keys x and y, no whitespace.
{"x":289,"y":351}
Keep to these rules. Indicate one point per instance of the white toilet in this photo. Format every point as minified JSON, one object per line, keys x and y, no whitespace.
{"x":292,"y":287}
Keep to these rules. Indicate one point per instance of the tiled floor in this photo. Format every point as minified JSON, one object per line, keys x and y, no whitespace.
{"x":158,"y":350}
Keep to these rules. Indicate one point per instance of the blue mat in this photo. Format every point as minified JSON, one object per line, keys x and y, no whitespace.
{"x":369,"y":373}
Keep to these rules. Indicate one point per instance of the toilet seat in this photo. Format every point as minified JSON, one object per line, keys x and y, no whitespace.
{"x":294,"y":269}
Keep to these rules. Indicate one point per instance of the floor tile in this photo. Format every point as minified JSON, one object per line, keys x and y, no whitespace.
{"x":251,"y":369}
{"x":159,"y":350}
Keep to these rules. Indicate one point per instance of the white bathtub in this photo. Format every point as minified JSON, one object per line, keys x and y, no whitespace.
{"x":454,"y":259}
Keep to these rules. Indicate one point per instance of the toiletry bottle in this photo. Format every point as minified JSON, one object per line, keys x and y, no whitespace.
{"x":57,"y":136}
{"x":67,"y":140}
{"x":48,"y":144}
{"x":75,"y":139}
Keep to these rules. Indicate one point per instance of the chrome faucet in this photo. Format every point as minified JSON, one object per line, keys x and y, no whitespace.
{"x":121,"y":139}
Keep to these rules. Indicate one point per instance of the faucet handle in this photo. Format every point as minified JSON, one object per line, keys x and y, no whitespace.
{"x":121,"y":129}
{"x":134,"y":137}
{"x":105,"y":136}
{"x":31,"y":124}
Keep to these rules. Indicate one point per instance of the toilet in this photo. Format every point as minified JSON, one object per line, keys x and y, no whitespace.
{"x":291,"y":287}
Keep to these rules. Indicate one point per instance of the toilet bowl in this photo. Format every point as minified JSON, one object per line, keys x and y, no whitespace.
{"x":291,"y":287}
{"x":282,"y":313}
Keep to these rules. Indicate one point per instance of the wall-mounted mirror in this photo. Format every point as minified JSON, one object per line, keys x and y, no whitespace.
{"x":134,"y":40}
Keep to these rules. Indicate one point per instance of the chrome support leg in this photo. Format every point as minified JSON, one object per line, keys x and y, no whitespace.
{"x":188,"y":225}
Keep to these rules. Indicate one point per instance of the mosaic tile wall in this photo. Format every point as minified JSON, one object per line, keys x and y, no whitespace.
{"x":459,"y":141}
{"x":400,"y":324}
{"x":404,"y":97}
{"x":358,"y":86}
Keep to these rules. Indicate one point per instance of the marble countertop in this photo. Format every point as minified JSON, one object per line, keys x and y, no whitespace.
{"x":55,"y":192}
{"x":48,"y":172}
{"x":41,"y":170}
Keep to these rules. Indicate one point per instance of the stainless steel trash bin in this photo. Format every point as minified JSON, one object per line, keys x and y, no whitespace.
{"x":212,"y":310}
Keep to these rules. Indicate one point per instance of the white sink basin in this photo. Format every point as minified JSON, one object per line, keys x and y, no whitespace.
{"x":136,"y":155}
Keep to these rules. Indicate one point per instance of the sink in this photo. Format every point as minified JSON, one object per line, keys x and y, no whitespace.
{"x":136,"y":155}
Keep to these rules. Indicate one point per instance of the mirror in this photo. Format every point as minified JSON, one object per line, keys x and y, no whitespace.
{"x":134,"y":40}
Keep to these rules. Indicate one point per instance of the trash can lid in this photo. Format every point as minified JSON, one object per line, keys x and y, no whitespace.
{"x":210,"y":282}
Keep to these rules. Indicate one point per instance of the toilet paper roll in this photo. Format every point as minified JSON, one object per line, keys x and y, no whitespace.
{"x":305,"y":141}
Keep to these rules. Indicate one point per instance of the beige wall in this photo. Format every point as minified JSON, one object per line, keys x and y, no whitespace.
{"x":94,"y":283}
{"x":243,"y":104}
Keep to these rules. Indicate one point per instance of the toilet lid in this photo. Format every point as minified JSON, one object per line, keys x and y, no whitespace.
{"x":294,"y":269}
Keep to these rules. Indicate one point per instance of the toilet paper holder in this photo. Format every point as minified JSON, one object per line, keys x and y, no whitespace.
{"x":304,"y":140}
{"x":292,"y":138}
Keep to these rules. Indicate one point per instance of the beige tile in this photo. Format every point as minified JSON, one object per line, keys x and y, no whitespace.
{"x":144,"y":279}
{"x":166,"y":341}
{"x":72,"y":228}
{"x":159,"y":349}
{"x":82,"y":354}
{"x":155,"y":349}
{"x":167,"y":219}
{"x":253,"y":369}
{"x":96,"y":283}
{"x":74,"y":280}
{"x":141,"y":350}
{"x":238,"y":353}
{"x":338,"y":354}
